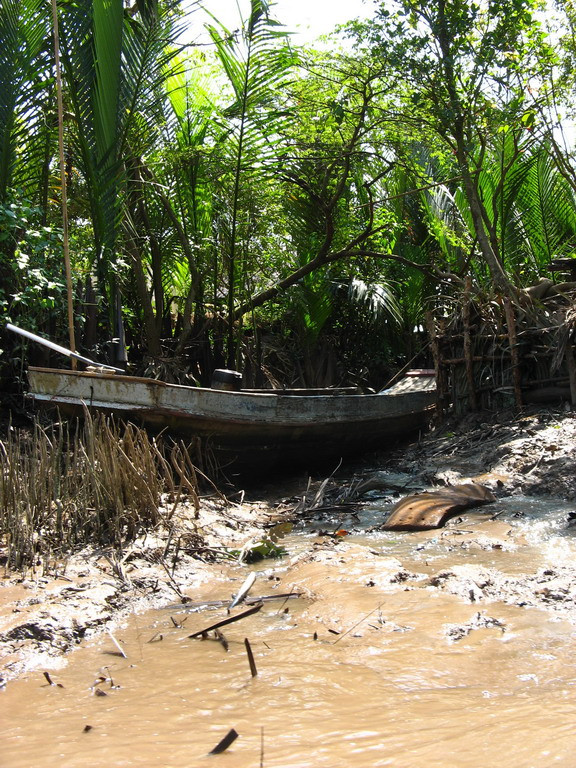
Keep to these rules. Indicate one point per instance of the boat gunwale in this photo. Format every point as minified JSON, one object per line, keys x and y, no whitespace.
{"x":330,"y":394}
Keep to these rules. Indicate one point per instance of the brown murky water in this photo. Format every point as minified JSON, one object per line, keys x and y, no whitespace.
{"x":393,"y":688}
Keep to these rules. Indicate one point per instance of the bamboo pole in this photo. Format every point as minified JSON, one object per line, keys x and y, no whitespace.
{"x":65,"y":238}
{"x":61,"y":350}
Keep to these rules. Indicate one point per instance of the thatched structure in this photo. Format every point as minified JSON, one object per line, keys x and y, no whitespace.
{"x":496,"y":352}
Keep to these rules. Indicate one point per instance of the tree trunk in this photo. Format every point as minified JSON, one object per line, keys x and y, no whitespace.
{"x":456,"y":129}
{"x":153,"y":343}
{"x":491,"y":259}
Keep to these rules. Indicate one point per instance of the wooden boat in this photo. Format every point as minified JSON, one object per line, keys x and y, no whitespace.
{"x":248,"y":427}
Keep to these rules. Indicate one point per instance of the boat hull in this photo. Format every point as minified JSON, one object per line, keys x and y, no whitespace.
{"x":245,"y":428}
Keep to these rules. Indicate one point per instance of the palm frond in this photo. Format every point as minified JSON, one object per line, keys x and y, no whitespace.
{"x":378,"y":298}
{"x":24,"y":73}
{"x":546,"y":211}
{"x":116,"y":64}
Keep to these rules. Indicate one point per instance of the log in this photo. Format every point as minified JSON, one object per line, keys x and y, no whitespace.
{"x":424,"y":511}
{"x":540,"y":290}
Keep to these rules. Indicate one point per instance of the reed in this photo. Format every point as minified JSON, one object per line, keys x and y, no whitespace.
{"x":92,"y":482}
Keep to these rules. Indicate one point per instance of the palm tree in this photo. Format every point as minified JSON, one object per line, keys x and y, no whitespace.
{"x":115,"y":61}
{"x":257,"y":67}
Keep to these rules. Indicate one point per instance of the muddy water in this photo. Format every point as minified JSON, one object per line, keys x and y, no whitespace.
{"x":376,"y":667}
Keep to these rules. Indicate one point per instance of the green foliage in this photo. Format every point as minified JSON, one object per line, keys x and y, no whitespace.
{"x":460,"y":65}
{"x":34,"y":286}
{"x":546,"y":210}
{"x":241,"y":187}
{"x":257,"y":67}
{"x":266,"y":547}
{"x":115,"y":65}
{"x":24,"y":92}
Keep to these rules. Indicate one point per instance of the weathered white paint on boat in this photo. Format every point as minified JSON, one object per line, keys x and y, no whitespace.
{"x":260,"y":423}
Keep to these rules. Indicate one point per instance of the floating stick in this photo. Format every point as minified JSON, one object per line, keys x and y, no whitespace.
{"x":229,"y":620}
{"x":223,"y":603}
{"x":355,"y":625}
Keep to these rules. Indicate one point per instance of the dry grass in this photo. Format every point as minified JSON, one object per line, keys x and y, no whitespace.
{"x":98,"y":482}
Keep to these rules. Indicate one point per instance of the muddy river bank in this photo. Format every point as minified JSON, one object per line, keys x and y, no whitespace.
{"x":400,"y":649}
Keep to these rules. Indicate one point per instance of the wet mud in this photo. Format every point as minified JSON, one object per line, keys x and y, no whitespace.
{"x":413,"y":649}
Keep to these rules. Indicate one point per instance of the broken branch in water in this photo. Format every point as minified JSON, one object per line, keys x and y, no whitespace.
{"x":229,"y":739}
{"x":51,"y":682}
{"x":253,"y":670}
{"x":244,"y":589}
{"x":229,"y":620}
{"x":223,"y":603}
{"x":221,"y":639}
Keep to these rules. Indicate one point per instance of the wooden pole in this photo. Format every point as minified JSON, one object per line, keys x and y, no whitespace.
{"x":468,"y":345}
{"x":515,"y":360}
{"x":65,"y":238}
{"x":571,"y":365}
{"x":441,"y":385}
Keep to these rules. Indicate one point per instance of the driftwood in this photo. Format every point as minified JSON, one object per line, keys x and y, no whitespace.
{"x":423,"y":511}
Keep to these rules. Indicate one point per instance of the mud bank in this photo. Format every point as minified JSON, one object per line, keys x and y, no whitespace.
{"x":46,"y":612}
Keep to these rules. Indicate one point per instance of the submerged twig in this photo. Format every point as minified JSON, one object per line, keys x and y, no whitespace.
{"x":221,"y":639}
{"x":50,"y":681}
{"x":353,"y":627}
